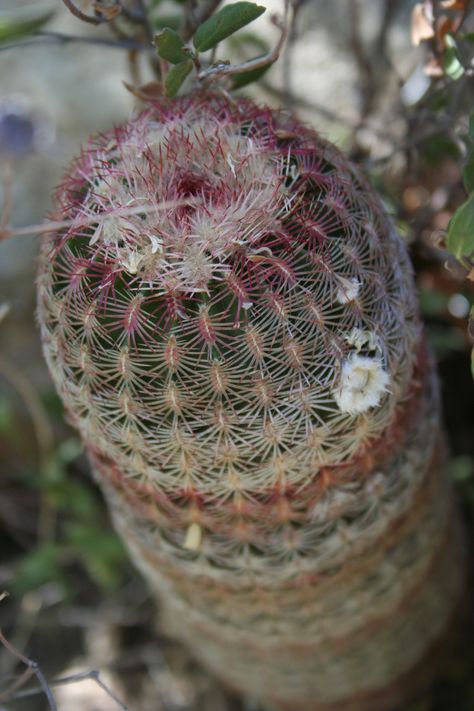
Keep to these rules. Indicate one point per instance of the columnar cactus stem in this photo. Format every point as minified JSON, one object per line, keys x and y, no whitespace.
{"x":231,"y":323}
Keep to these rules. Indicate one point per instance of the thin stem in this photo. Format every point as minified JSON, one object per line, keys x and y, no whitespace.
{"x":139,"y":17}
{"x":288,"y":97}
{"x":390,"y":10}
{"x":44,"y":437}
{"x":46,"y":37}
{"x":193,"y":17}
{"x":134,"y":67}
{"x":39,"y":417}
{"x":31,"y":664}
{"x":258,"y":62}
{"x":303,"y":103}
{"x":16,"y":684}
{"x":463,"y":15}
{"x":188,"y":19}
{"x":366,"y":74}
{"x":93,"y":675}
{"x":7,"y":194}
{"x":53,"y":226}
{"x":91,"y":20}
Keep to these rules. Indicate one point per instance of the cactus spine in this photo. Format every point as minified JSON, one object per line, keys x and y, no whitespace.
{"x":231,"y":323}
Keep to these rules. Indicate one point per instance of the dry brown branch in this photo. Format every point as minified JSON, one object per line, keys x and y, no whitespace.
{"x":141,"y":16}
{"x":28,"y":394}
{"x":43,"y":433}
{"x":101,"y":16}
{"x":93,"y":675}
{"x":287,"y":93}
{"x":59,"y":38}
{"x":18,"y":683}
{"x":15,"y":691}
{"x":35,"y":670}
{"x":251,"y":64}
{"x":390,"y":10}
{"x":7,"y":194}
{"x":52,"y":225}
{"x":299,"y":102}
{"x":366,"y":73}
{"x":193,"y":16}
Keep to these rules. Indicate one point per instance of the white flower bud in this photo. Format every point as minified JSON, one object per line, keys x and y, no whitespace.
{"x":362,"y":383}
{"x":348,"y":290}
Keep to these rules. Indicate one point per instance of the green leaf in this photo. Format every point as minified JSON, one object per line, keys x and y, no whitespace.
{"x":100,"y":552}
{"x":69,"y":450}
{"x":38,"y":567}
{"x":433,"y":302}
{"x":176,"y":76}
{"x":461,"y":468}
{"x":5,"y":415}
{"x":471,"y":331}
{"x":461,"y":230}
{"x":74,"y":498}
{"x":445,"y":341}
{"x":468,"y":172}
{"x":244,"y":78}
{"x":14,"y":26}
{"x":224,"y":23}
{"x":452,"y":66}
{"x":470,"y":133}
{"x":170,"y":46}
{"x":468,"y":36}
{"x":249,"y":40}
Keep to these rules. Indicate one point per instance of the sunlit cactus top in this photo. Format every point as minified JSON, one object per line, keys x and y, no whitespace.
{"x":230,"y":311}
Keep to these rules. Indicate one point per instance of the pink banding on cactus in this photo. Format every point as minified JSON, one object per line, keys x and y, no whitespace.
{"x":231,"y":324}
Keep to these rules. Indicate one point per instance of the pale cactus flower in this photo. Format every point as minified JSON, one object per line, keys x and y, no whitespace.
{"x":348,"y":290}
{"x":362,"y":383}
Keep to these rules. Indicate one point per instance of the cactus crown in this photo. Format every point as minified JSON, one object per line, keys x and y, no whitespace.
{"x":230,"y":312}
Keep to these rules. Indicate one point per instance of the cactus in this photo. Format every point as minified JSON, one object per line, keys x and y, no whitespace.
{"x":229,"y":318}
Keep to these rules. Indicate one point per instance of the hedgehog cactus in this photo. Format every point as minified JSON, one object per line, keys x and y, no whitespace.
{"x":230,"y":320}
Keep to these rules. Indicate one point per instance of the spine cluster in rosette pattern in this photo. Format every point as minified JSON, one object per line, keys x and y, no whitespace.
{"x":229,"y":318}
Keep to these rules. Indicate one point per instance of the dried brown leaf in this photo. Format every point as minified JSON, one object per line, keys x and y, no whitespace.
{"x":107,"y":12}
{"x":433,"y":67}
{"x":455,"y":4}
{"x":146,"y":92}
{"x":283,"y":134}
{"x":444,"y":26}
{"x":421,"y":28}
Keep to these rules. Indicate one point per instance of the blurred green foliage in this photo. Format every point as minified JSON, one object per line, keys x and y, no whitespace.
{"x":80,"y":537}
{"x":22,"y":22}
